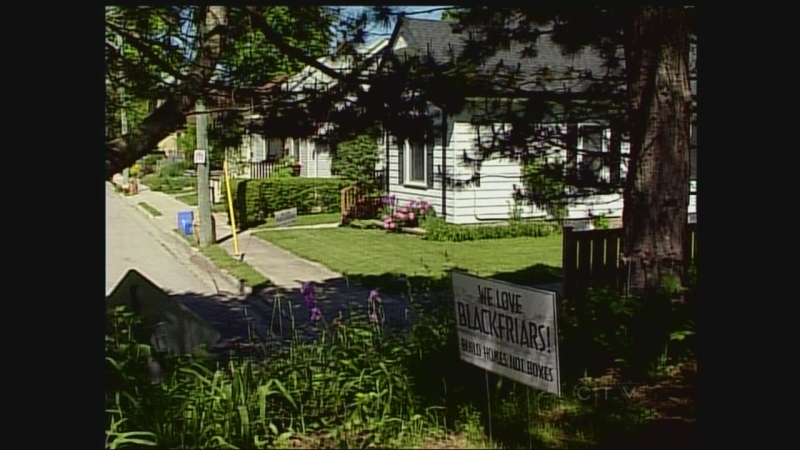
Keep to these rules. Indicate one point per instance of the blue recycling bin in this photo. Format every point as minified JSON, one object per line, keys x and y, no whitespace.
{"x":185,"y":220}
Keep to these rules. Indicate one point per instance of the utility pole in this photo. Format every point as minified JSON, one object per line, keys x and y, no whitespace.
{"x":203,"y":185}
{"x":123,"y":114}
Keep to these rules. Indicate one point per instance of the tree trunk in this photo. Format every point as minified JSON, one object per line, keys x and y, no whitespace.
{"x":656,"y":192}
{"x":123,"y":151}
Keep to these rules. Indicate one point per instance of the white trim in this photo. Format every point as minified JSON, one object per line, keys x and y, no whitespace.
{"x":407,"y":163}
{"x":605,"y":173}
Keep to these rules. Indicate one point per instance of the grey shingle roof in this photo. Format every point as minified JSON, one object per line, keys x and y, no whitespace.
{"x":443,"y":39}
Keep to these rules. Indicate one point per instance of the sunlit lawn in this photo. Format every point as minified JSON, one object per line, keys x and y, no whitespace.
{"x":376,"y":253}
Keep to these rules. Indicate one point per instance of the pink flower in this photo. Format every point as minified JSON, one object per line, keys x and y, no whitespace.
{"x":401,"y":216}
{"x":411,"y":216}
{"x":392,"y":225}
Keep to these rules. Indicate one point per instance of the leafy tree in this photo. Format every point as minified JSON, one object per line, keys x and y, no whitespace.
{"x":181,"y":54}
{"x":355,"y":160}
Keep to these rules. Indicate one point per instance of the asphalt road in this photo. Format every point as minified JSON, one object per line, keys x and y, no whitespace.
{"x":131,"y":243}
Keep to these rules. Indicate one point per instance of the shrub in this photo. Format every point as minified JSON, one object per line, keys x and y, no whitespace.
{"x":175,"y":169}
{"x":437,"y":229}
{"x":255,"y":200}
{"x":355,"y":160}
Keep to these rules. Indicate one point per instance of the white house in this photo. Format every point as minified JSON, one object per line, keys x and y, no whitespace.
{"x":315,"y":158}
{"x":418,"y":170}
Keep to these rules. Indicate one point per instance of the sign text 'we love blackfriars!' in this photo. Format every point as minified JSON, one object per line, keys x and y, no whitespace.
{"x":509,"y":330}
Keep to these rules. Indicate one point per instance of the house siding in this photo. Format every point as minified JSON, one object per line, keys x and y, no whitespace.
{"x":431,"y":195}
{"x":491,"y":199}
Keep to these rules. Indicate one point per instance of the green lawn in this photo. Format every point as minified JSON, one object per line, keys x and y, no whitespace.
{"x":375,"y":257}
{"x":149,"y":208}
{"x":311,"y":219}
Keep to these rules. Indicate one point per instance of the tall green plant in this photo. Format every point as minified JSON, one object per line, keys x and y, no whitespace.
{"x":355,"y":160}
{"x":544,"y":187}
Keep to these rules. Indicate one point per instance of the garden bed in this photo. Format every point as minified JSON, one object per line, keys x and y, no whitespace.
{"x":378,"y":225}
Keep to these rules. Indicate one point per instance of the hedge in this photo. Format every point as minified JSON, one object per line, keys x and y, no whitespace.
{"x":255,"y":200}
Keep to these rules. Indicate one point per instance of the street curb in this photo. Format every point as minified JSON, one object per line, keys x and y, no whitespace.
{"x":203,"y":262}
{"x":198,"y":263}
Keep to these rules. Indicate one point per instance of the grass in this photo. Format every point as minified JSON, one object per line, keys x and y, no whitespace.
{"x":310,"y":219}
{"x":149,"y":208}
{"x":350,"y":389}
{"x":360,"y":387}
{"x":225,"y":261}
{"x":191,"y":200}
{"x":382,"y":256}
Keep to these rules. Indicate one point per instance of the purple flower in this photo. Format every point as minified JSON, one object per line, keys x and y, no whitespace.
{"x":374,"y":295}
{"x":316,"y":314}
{"x":309,"y":294}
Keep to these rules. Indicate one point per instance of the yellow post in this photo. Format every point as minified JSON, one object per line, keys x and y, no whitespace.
{"x":230,"y":206}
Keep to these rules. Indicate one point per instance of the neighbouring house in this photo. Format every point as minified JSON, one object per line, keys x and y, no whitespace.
{"x":466,"y":188}
{"x":261,"y":153}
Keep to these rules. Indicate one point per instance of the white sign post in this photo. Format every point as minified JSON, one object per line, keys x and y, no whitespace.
{"x":199,"y":156}
{"x":509,"y":330}
{"x":285,"y":217}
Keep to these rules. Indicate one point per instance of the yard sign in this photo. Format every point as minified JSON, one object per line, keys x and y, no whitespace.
{"x":509,"y":330}
{"x":285,"y":217}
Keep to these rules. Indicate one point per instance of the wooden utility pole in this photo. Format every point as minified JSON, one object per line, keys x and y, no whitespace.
{"x":206,"y":231}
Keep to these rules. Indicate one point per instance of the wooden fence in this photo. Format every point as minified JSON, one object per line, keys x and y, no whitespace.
{"x":592,"y":258}
{"x":359,"y":203}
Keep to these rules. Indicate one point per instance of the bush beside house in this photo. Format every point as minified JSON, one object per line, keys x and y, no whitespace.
{"x":255,"y":200}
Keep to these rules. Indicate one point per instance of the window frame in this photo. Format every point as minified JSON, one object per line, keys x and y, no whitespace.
{"x":409,"y":163}
{"x":605,"y":149}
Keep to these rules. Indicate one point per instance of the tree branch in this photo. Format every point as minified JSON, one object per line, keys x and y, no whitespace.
{"x":136,"y":42}
{"x":123,"y":151}
{"x":293,"y":52}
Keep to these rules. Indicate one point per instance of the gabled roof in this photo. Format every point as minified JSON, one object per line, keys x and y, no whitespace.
{"x":445,"y":39}
{"x":340,"y":64}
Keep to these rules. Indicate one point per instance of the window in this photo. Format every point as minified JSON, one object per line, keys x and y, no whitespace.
{"x":274,"y":149}
{"x":592,"y":141}
{"x":693,"y":152}
{"x":416,"y":162}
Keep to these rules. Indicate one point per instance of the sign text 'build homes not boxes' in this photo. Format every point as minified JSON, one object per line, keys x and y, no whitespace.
{"x":509,"y":330}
